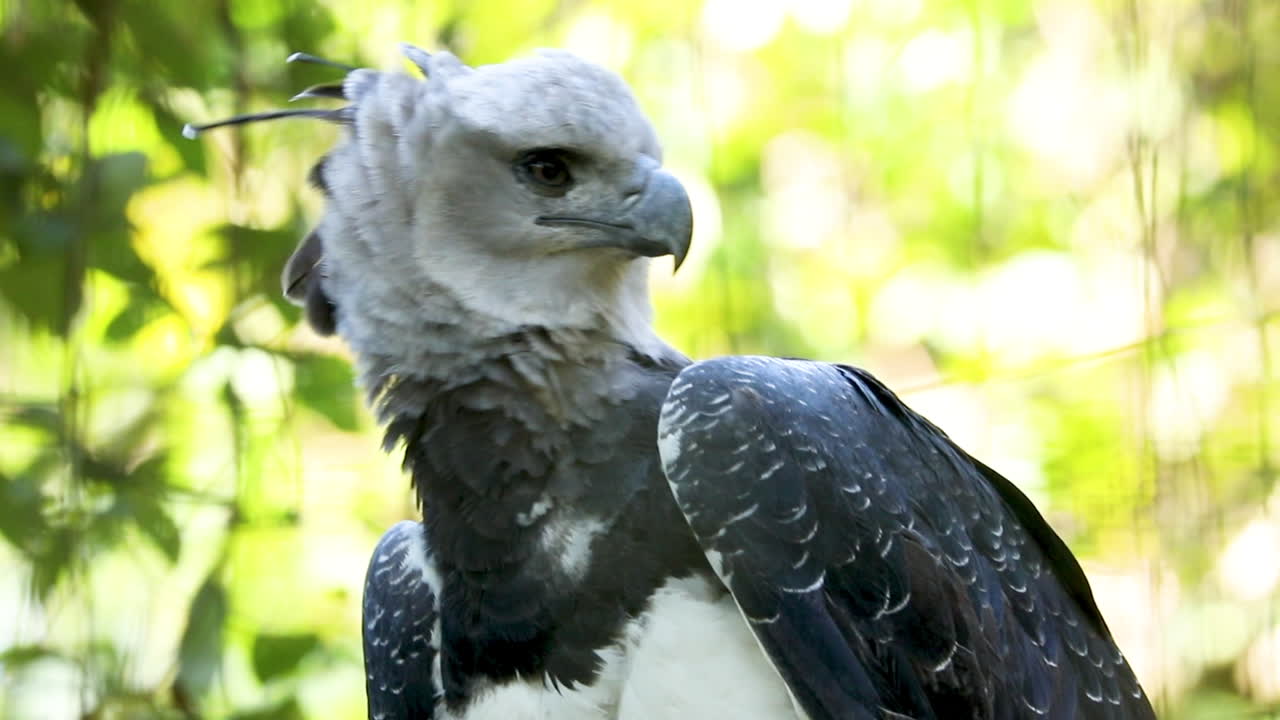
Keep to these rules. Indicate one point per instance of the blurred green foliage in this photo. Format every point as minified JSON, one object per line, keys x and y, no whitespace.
{"x":1055,"y":226}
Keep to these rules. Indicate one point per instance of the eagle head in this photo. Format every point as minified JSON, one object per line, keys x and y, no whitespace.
{"x":481,"y":201}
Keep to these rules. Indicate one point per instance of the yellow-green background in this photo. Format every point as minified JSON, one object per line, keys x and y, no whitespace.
{"x":1053,"y":226}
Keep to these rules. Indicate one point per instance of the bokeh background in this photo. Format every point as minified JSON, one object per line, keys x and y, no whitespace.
{"x":1052,"y":225}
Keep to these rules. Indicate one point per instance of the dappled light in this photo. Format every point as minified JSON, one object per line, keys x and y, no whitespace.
{"x":1053,"y":227}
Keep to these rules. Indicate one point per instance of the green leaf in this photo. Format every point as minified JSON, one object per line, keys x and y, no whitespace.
{"x":51,"y":556}
{"x":256,"y":255}
{"x":36,"y":285}
{"x":111,"y":182}
{"x":278,"y":655}
{"x":120,"y":175}
{"x":200,"y":653}
{"x":39,"y":416}
{"x":287,"y":709}
{"x":170,"y":125}
{"x":173,"y":43}
{"x":306,"y":25}
{"x":19,"y":655}
{"x":326,"y":384}
{"x":22,"y":521}
{"x":154,"y":522}
{"x":144,"y":306}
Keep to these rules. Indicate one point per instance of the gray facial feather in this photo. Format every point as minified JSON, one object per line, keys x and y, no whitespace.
{"x":440,"y":258}
{"x":428,"y":228}
{"x":555,"y":99}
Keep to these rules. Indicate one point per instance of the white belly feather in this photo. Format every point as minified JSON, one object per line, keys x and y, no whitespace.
{"x":690,"y":656}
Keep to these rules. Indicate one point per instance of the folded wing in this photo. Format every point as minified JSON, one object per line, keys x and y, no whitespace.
{"x":882,"y":569}
{"x":401,"y":627}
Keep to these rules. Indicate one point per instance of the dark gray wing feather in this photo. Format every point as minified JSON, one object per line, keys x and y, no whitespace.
{"x":401,"y":626}
{"x":882,"y":569}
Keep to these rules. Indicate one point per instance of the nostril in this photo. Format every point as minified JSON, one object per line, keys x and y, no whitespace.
{"x":631,"y":195}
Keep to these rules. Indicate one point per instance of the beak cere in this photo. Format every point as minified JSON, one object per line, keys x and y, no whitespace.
{"x":659,"y":221}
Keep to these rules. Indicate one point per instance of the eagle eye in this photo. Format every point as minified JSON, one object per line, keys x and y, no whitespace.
{"x":546,"y":170}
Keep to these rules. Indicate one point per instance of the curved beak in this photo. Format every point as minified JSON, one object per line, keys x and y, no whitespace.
{"x":663,"y":218}
{"x":656,"y":221}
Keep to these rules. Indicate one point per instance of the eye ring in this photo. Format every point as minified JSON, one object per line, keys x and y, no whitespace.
{"x":546,"y":169}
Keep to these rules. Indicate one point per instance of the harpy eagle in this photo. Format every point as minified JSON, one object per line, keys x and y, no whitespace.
{"x":609,"y":529}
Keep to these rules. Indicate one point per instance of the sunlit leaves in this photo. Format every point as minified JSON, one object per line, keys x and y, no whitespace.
{"x":942,"y":191}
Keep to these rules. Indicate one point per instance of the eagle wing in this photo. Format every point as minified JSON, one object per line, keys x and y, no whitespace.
{"x":883,"y":570}
{"x":401,"y":627}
